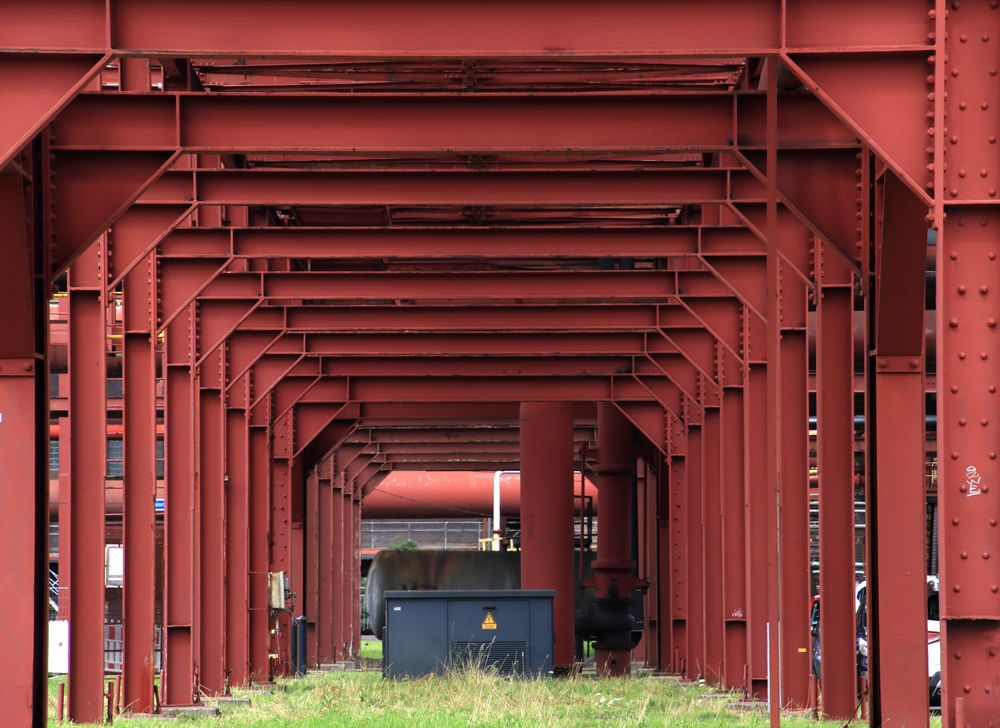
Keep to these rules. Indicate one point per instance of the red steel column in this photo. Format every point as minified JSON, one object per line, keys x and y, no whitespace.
{"x":678,"y":528}
{"x":337,"y":561}
{"x":88,"y":414}
{"x":711,"y":535}
{"x":613,"y":566}
{"x":281,"y":533}
{"x":347,"y":561}
{"x":237,"y":546}
{"x":835,"y":410}
{"x":65,"y":528}
{"x":547,"y":515}
{"x":181,"y":528}
{"x":24,"y":453}
{"x":139,"y":518}
{"x":211,"y":472}
{"x":796,"y":587}
{"x":695,"y":658}
{"x":969,"y":479}
{"x":324,"y":617}
{"x":355,"y":604}
{"x":259,"y":485}
{"x":755,"y":427}
{"x":734,"y":577}
{"x":312,"y":517}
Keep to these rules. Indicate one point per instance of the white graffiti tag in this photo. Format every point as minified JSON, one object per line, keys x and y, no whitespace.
{"x":974,"y":480}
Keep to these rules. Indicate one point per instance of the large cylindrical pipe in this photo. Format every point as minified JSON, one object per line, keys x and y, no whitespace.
{"x":613,"y":568}
{"x":547,"y":515}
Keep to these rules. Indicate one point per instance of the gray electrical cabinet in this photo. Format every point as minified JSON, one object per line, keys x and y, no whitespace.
{"x":426,"y":632}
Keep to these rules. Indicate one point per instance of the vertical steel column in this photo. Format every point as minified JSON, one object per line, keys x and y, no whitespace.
{"x":259,"y":483}
{"x":324,"y":616}
{"x":355,"y":603}
{"x":547,"y":515}
{"x":281,"y":533}
{"x":896,"y":487}
{"x":181,"y":528}
{"x":88,"y":413}
{"x":24,"y":447}
{"x":337,"y":560}
{"x":347,"y":559}
{"x":796,"y":587}
{"x":139,"y":517}
{"x":65,"y":529}
{"x":774,"y":418}
{"x":695,"y":658}
{"x":211,"y":475}
{"x":613,"y":567}
{"x":968,"y":413}
{"x":734,"y":581}
{"x":312,"y":517}
{"x":835,"y":435}
{"x":678,"y":534}
{"x":237,"y":546}
{"x":711,"y":544}
{"x":649,"y":552}
{"x":755,"y":462}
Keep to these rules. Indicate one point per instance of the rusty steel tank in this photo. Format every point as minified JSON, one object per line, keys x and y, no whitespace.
{"x":432,"y":569}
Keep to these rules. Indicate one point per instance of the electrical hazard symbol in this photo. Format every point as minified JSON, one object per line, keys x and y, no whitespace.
{"x":489,"y":622}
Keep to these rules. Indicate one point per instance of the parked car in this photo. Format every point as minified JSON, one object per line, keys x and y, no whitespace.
{"x":861,"y":631}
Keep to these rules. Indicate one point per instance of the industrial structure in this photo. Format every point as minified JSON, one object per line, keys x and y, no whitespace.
{"x":318,"y":242}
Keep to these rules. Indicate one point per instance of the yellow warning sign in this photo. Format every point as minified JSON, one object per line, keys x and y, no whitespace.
{"x":489,"y":622}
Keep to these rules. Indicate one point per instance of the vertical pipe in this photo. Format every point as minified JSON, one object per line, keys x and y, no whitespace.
{"x":613,"y":566}
{"x":711,"y":518}
{"x":734,"y":584}
{"x":835,"y":411}
{"x":139,"y":518}
{"x":356,"y":571}
{"x":88,"y":412}
{"x":547,"y":514}
{"x":347,"y":584}
{"x":281,"y":533}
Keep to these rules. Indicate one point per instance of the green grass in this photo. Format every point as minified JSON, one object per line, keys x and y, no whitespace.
{"x":472,"y":698}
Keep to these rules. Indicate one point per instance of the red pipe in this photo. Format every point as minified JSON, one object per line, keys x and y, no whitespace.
{"x":461,"y":494}
{"x":547,"y":515}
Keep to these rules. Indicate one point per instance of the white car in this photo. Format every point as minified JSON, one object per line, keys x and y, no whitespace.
{"x":933,"y":636}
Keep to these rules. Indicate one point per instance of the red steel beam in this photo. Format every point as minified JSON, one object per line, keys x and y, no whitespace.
{"x":326,"y":564}
{"x":87,"y":471}
{"x":694,"y":658}
{"x":485,"y":123}
{"x":734,"y":527}
{"x":456,"y":187}
{"x":237,"y":545}
{"x":259,"y":555}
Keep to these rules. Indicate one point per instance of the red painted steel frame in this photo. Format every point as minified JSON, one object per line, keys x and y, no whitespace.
{"x":547,"y":514}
